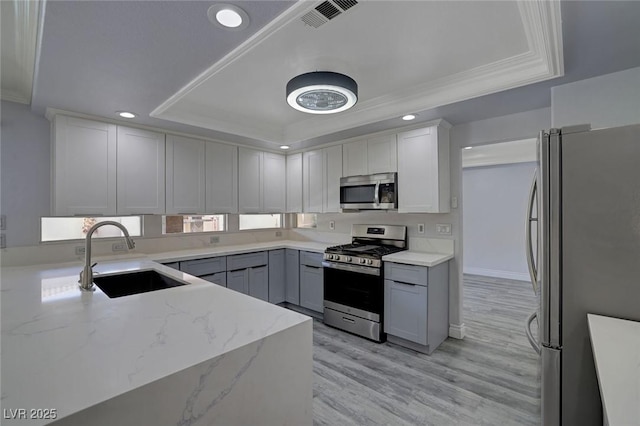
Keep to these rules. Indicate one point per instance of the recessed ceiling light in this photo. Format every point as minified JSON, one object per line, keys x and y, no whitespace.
{"x":284,"y":147}
{"x":409,"y":117}
{"x":125,"y":114}
{"x":322,"y":92}
{"x":228,"y":16}
{"x":468,"y":147}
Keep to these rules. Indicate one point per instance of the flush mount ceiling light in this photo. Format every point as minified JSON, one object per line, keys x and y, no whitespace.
{"x":228,"y":16}
{"x":322,"y":92}
{"x":284,"y":147}
{"x":126,"y":114}
{"x":409,"y":117}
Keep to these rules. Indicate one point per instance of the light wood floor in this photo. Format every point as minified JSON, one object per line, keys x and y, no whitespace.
{"x":489,"y":378}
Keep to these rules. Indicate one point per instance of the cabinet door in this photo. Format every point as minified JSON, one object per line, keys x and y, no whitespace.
{"x":219,"y":278}
{"x":250,"y":163}
{"x":333,"y":173}
{"x":259,"y":282}
{"x":311,"y":288}
{"x":354,"y":158}
{"x":294,"y":183}
{"x":221,"y":178}
{"x":292,"y":266}
{"x":185,"y":178}
{"x":277,"y":278}
{"x":313,"y":181}
{"x":140,"y":171}
{"x":382,"y":155}
{"x":405,"y":311}
{"x":238,"y":280}
{"x":274,"y":181}
{"x":83,"y":167}
{"x":423,"y":177}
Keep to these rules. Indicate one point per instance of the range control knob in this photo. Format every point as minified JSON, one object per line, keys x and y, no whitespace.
{"x":347,"y":258}
{"x":369,"y":261}
{"x":331,"y":257}
{"x":362,"y":260}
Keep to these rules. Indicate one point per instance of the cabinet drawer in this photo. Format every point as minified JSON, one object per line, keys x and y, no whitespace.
{"x":406,"y":273}
{"x":219,"y":278}
{"x":311,"y":259}
{"x":202,"y":267}
{"x":249,"y":260}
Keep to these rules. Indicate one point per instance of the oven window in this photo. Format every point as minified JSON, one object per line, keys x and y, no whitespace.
{"x":357,"y":194}
{"x":356,"y":290}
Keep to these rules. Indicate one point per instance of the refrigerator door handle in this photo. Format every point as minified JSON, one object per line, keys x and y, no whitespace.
{"x":533,"y":272}
{"x":534,"y":344}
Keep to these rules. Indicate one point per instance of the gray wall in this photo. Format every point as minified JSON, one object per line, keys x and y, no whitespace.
{"x":609,"y":100}
{"x":495,"y":201}
{"x":25,"y":173}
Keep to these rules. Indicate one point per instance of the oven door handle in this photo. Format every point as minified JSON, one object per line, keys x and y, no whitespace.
{"x":352,"y":268}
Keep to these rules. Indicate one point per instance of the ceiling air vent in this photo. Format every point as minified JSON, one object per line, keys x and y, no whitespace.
{"x":326,"y":11}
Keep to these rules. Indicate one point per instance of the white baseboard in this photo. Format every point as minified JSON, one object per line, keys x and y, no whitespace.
{"x":457,"y":331}
{"x":497,"y":273}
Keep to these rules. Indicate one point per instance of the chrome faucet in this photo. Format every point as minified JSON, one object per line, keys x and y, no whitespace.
{"x":86,"y":275}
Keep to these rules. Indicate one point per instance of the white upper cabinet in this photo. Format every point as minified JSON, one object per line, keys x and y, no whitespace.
{"x":140,"y":172}
{"x":370,"y":156}
{"x":261,"y":182}
{"x":83,"y":154}
{"x":333,"y":173}
{"x":294,"y":183}
{"x":312,"y":181}
{"x":274,"y":183}
{"x":382,"y":156}
{"x":185,"y":175}
{"x":423,"y":170}
{"x":322,"y":170}
{"x":221,"y":178}
{"x":249,"y":180}
{"x":354,"y":158}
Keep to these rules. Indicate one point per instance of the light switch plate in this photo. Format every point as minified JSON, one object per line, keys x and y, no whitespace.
{"x":214,"y":240}
{"x":454,"y":202}
{"x":118,"y":247}
{"x":443,"y":228}
{"x":3,"y":221}
{"x":278,"y":233}
{"x":3,"y":241}
{"x":80,"y":250}
{"x":332,"y":224}
{"x":421,"y":228}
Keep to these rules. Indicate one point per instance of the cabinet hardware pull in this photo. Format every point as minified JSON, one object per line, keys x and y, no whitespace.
{"x":352,"y":321}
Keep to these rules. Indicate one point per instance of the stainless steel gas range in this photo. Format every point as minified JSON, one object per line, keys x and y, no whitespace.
{"x":354,"y":279}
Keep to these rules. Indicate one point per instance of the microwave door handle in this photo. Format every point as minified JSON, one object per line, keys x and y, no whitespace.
{"x":376,"y":197}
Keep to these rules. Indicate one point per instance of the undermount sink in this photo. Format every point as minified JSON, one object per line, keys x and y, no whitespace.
{"x":129,"y":283}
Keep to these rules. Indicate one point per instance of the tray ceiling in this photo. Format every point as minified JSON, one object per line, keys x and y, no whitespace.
{"x":406,"y":56}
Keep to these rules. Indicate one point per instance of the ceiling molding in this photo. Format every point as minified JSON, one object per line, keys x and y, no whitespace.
{"x":543,"y":60}
{"x":20,"y":34}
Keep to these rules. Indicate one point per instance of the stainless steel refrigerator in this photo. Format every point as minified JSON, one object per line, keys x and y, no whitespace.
{"x":587,"y":224}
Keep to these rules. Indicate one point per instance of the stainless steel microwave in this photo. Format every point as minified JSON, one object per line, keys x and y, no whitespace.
{"x":370,"y":192}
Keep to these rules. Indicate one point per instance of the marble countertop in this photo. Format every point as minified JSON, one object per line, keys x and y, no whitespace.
{"x":67,"y":350}
{"x":189,"y":254}
{"x":418,"y":258}
{"x":616,"y":352}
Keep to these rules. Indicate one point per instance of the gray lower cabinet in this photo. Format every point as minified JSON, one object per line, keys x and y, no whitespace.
{"x":249,"y":274}
{"x":416,"y":305}
{"x":292,"y":276}
{"x":219,"y":278}
{"x":311,"y":281}
{"x":277,"y":277}
{"x":212,"y":269}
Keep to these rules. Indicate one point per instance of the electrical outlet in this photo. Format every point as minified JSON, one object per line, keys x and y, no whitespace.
{"x":3,"y":222}
{"x":118,"y":247}
{"x":332,"y":224}
{"x":80,"y":250}
{"x":421,"y":228}
{"x":278,"y":233}
{"x":443,"y":229}
{"x":3,"y":241}
{"x":214,"y":240}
